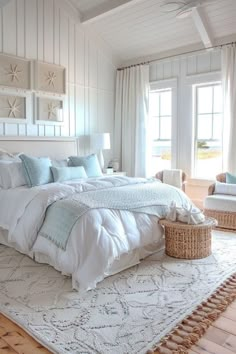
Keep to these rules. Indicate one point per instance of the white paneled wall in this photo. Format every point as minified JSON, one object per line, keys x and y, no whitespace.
{"x":187,"y":69}
{"x":48,"y":31}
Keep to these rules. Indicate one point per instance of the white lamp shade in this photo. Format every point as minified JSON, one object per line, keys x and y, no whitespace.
{"x":100,"y":141}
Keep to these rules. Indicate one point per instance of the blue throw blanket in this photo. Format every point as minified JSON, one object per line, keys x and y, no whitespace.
{"x":150,"y":197}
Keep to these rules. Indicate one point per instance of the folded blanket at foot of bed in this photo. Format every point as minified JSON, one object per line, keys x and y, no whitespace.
{"x":148,"y":197}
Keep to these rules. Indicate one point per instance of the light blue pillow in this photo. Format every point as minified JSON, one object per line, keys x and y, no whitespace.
{"x":230,"y":178}
{"x":61,"y":174}
{"x":90,"y":164}
{"x":36,"y":170}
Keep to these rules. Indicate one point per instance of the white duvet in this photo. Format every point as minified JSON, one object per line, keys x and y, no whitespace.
{"x":98,"y":239}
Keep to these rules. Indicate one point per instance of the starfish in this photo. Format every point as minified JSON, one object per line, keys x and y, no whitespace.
{"x":51,"y":77}
{"x":52,"y":111}
{"x":13,"y":108}
{"x":13,"y":71}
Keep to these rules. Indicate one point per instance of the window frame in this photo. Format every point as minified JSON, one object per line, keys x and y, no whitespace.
{"x":196,"y":86}
{"x":164,"y":85}
{"x":160,"y":116}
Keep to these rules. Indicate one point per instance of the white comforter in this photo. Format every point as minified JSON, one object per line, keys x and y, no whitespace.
{"x":97,"y":240}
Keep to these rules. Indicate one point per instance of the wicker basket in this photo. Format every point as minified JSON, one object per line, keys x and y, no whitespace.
{"x":188,"y":241}
{"x":226,"y":219}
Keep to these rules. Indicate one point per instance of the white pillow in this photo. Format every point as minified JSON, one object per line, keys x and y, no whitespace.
{"x":11,"y":175}
{"x":225,"y":188}
{"x":7,"y":156}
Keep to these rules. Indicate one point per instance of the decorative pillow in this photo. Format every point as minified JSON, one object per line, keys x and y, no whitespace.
{"x":225,"y":188}
{"x":230,"y":178}
{"x":11,"y":175}
{"x":59,"y":163}
{"x":90,"y":164}
{"x":36,"y":170}
{"x":61,"y":174}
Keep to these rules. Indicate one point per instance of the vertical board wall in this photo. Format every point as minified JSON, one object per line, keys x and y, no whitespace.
{"x":44,"y":30}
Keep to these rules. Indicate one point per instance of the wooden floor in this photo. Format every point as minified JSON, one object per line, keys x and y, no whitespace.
{"x":219,"y":339}
{"x":14,"y":340}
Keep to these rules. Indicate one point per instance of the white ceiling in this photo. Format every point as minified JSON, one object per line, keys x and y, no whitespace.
{"x":139,"y":28}
{"x":86,"y":5}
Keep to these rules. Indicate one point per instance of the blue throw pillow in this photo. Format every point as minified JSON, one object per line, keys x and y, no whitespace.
{"x":230,"y":178}
{"x":90,"y":164}
{"x":36,"y":170}
{"x":61,"y":174}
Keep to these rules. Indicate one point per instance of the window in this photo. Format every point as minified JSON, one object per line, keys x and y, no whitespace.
{"x":208,"y":133}
{"x":160,"y":108}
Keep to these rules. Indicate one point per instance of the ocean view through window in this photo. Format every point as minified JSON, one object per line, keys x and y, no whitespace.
{"x":208,"y":130}
{"x":160,"y":113}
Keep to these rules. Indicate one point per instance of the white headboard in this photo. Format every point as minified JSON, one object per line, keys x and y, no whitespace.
{"x":56,"y":148}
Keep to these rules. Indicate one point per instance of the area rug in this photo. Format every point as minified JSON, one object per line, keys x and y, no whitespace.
{"x":128,"y":313}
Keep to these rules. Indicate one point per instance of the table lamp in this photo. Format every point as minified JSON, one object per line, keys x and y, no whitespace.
{"x":100,"y":141}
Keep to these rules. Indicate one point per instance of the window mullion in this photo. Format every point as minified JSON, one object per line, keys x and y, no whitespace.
{"x":212,"y":114}
{"x":159,"y":115}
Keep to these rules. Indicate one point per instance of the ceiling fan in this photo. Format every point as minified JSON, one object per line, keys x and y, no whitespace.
{"x":182,"y":8}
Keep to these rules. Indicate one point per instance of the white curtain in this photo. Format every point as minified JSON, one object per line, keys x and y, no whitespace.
{"x":131,"y":120}
{"x":229,"y":94}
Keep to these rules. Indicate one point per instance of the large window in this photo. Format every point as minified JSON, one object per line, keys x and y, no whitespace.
{"x":208,"y":133}
{"x":160,"y":118}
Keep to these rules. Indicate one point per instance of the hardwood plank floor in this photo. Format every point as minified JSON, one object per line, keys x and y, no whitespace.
{"x":219,"y":339}
{"x":13,"y":340}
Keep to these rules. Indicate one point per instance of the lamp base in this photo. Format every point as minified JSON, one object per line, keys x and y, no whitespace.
{"x":101,"y":159}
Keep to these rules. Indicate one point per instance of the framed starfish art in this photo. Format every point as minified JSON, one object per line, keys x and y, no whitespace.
{"x":49,"y":110}
{"x":15,"y":72}
{"x":50,"y":78}
{"x":15,"y":107}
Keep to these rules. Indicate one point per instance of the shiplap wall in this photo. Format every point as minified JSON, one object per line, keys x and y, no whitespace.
{"x":186,"y":69}
{"x":47,"y":30}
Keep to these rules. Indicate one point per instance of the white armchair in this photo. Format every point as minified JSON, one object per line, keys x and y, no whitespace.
{"x":221,"y":203}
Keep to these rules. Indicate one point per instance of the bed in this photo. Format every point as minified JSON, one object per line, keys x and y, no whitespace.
{"x":84,"y":228}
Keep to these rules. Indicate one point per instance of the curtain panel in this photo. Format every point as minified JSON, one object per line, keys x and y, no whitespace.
{"x":229,"y":94}
{"x":131,"y":144}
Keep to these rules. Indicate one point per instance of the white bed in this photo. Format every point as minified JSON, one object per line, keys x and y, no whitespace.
{"x":102,"y":241}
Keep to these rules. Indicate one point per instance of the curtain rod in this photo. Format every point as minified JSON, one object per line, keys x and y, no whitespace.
{"x":176,"y":55}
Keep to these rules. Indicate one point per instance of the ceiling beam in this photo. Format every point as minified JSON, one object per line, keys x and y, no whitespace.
{"x":108,"y":8}
{"x":202,"y":27}
{"x":74,"y":9}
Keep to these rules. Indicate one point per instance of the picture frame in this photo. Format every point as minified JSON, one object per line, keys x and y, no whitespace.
{"x":15,"y":106}
{"x":49,"y":78}
{"x":15,"y":72}
{"x":49,"y":110}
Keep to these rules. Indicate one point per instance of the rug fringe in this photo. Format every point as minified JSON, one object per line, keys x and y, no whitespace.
{"x":192,"y":328}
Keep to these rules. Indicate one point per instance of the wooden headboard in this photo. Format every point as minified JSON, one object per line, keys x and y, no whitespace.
{"x":56,"y":148}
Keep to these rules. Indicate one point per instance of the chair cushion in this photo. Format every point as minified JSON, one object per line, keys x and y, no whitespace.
{"x":225,"y":188}
{"x":173,"y":177}
{"x":221,"y":202}
{"x":230,"y":178}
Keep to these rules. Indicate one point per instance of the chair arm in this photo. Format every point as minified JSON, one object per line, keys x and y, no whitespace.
{"x":159,"y":176}
{"x":211,"y":189}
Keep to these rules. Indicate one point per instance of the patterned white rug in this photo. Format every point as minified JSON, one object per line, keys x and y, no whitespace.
{"x":127,"y":313}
